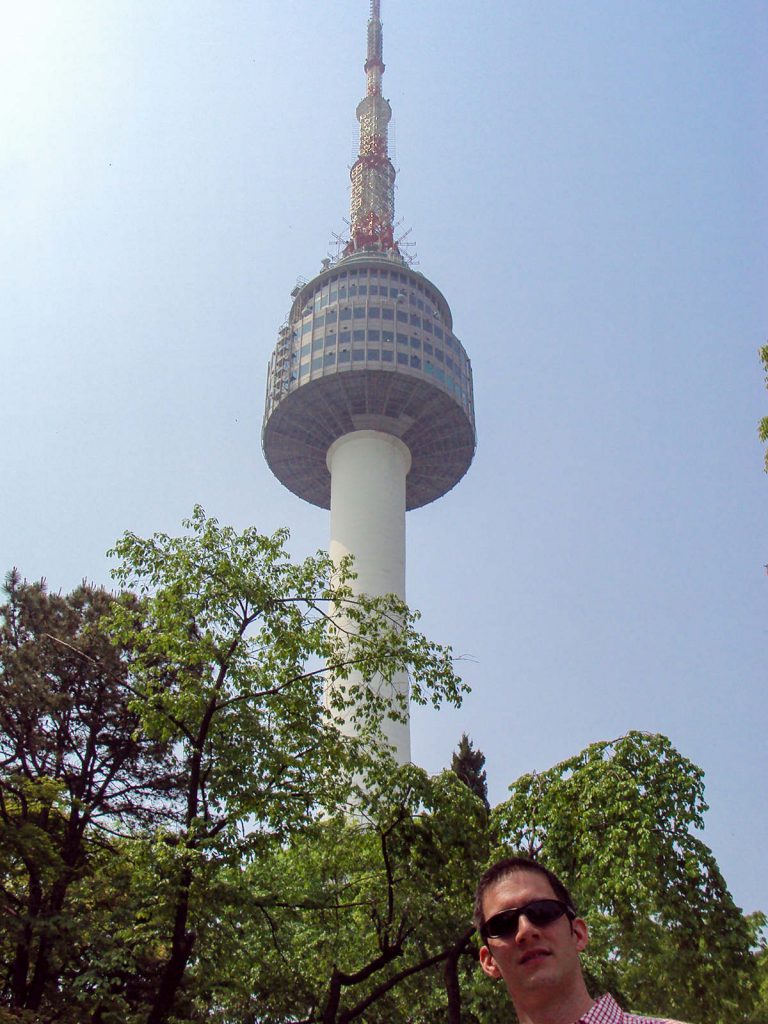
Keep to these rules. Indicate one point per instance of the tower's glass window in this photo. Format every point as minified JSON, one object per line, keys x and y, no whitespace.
{"x":305,"y":349}
{"x":388,"y":336}
{"x":386,"y":355}
{"x":329,"y":358}
{"x":374,"y":289}
{"x":402,"y":357}
{"x":415,"y":320}
{"x":359,"y":312}
{"x":331,"y":316}
{"x":344,"y":356}
{"x":358,"y":335}
{"x":345,"y":314}
{"x":317,"y":363}
{"x":342,"y":291}
{"x":307,"y":327}
{"x":416,"y":362}
{"x":439,"y":334}
{"x":427,"y":348}
{"x":374,"y":335}
{"x":415,"y":343}
{"x":358,"y":355}
{"x":373,"y":353}
{"x":387,"y":313}
{"x":374,"y":312}
{"x":402,"y":339}
{"x":362,"y":289}
{"x":402,"y":317}
{"x":439,"y":355}
{"x":427,"y":324}
{"x":319,"y":321}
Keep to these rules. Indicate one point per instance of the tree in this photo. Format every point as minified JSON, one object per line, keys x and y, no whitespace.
{"x":73,"y":773}
{"x":763,"y":425}
{"x":617,"y":822}
{"x":363,"y":917}
{"x":469,"y":765}
{"x":184,"y":833}
{"x":232,"y":654}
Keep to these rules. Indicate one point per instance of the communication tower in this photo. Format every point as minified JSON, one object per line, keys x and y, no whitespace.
{"x":369,"y":406}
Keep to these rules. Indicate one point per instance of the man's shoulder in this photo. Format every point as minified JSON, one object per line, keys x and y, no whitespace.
{"x":607,"y":1011}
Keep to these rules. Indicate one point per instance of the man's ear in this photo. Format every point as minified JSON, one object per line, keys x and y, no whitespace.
{"x":488,"y":963}
{"x":580,"y":930}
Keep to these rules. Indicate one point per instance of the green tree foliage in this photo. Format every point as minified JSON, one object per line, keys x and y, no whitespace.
{"x":232,"y":653}
{"x":184,"y":836}
{"x":73,"y":773}
{"x":469,"y":765}
{"x":618,"y":823}
{"x":763,"y":425}
{"x":760,"y":1015}
{"x":364,"y":917}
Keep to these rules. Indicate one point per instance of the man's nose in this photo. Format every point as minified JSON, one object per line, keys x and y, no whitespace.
{"x":525,"y":929}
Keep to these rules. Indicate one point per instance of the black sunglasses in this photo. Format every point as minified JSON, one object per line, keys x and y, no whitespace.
{"x":539,"y":912}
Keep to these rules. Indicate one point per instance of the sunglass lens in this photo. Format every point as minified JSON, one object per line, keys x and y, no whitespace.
{"x":505,"y":924}
{"x":543,"y":912}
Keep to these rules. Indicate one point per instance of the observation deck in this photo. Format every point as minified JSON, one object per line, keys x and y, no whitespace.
{"x":369,"y":345}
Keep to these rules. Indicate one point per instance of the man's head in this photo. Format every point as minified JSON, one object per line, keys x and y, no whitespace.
{"x":509,"y":866}
{"x":531,"y":936}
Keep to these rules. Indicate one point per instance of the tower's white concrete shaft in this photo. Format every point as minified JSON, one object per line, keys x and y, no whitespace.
{"x":368,"y":471}
{"x":367,"y":376}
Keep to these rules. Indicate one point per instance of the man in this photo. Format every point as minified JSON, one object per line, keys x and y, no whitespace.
{"x":532,"y":939}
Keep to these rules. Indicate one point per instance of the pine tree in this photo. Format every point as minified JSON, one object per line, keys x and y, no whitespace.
{"x":468,"y":764}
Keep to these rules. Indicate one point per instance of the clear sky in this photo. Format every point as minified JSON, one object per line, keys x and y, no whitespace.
{"x":585,"y":182}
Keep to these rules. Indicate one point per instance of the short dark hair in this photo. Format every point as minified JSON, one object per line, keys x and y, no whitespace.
{"x":510,"y":866}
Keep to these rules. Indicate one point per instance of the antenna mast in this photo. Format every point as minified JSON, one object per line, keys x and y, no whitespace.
{"x":372,"y":174}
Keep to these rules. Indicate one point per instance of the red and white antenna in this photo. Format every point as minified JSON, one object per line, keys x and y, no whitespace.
{"x":372,"y":210}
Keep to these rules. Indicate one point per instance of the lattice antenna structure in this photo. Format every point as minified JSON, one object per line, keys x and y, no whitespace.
{"x":372,"y":205}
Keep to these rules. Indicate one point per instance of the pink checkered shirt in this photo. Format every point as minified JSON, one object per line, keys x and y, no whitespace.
{"x":607,"y":1011}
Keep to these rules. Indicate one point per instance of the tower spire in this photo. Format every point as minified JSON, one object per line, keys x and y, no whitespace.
{"x":373,"y":176}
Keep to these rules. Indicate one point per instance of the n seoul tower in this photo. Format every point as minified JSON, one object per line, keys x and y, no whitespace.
{"x":369,"y":407}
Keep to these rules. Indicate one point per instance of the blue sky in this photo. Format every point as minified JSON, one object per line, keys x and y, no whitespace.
{"x":585,"y":182}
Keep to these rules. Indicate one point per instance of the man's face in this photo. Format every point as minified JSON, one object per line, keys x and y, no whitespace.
{"x":538,"y":963}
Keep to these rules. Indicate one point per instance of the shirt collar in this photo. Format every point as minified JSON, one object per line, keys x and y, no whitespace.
{"x":605,"y":1010}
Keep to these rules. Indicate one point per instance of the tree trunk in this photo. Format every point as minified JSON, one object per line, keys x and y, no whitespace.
{"x":452,"y":989}
{"x":181,"y":950}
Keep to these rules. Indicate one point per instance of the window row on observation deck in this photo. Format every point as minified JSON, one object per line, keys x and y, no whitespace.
{"x":369,"y":349}
{"x":381,"y":323}
{"x":374,"y":281}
